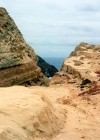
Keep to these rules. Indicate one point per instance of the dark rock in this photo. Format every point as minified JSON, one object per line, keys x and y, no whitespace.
{"x":47,"y":69}
{"x":85,"y":82}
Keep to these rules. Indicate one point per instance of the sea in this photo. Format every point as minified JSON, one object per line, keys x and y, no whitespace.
{"x":57,"y":62}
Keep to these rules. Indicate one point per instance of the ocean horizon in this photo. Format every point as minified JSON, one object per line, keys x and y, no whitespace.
{"x":55,"y":61}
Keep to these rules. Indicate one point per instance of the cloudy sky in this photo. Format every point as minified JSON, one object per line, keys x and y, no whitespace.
{"x":55,"y":27}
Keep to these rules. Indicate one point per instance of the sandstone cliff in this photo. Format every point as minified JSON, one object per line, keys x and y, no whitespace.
{"x":81,"y":67}
{"x":18,"y":63}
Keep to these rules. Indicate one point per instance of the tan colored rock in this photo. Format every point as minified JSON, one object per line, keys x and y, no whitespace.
{"x":18,"y":62}
{"x":82,"y":64}
{"x":13,"y":48}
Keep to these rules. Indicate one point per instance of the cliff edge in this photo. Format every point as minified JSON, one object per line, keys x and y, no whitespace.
{"x":18,"y":64}
{"x":81,"y":67}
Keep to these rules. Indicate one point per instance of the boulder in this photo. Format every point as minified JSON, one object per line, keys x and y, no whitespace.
{"x":18,"y":63}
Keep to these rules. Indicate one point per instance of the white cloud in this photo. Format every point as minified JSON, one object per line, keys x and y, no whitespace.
{"x":58,"y":24}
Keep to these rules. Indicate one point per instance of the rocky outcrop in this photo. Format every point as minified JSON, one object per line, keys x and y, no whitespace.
{"x":18,"y":64}
{"x":82,"y":66}
{"x":47,"y":69}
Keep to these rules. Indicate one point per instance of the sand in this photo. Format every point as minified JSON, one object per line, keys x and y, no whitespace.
{"x":48,"y":113}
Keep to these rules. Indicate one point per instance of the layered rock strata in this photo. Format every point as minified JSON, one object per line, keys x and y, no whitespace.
{"x":18,"y":62}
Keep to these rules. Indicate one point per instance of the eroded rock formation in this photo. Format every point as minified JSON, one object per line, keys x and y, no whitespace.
{"x":81,"y":67}
{"x":18,"y":62}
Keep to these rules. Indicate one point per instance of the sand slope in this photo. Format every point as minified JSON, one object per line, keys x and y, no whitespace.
{"x":39,"y":113}
{"x":26,"y":116}
{"x":83,"y":112}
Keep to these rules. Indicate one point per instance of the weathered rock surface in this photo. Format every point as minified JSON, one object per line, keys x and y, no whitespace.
{"x":18,"y":62}
{"x":25,"y":115}
{"x":81,"y":67}
{"x":47,"y":69}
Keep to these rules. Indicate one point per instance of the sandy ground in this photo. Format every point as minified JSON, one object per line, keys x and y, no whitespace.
{"x":82,"y":113}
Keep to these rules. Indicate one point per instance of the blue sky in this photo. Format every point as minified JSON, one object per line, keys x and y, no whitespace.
{"x":55,"y":27}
